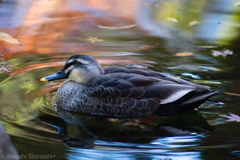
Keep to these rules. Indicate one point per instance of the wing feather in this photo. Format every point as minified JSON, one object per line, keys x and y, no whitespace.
{"x":137,"y":87}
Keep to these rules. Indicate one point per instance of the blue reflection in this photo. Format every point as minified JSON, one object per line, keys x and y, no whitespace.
{"x":178,"y":142}
{"x":132,"y":154}
{"x":162,"y":148}
{"x":212,"y":26}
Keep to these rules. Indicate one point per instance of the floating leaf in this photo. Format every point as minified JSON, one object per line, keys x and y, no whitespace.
{"x":114,"y":119}
{"x":207,"y":46}
{"x":210,"y":68}
{"x":5,"y":68}
{"x":183,"y":54}
{"x":192,"y":23}
{"x":146,"y":47}
{"x":207,"y":82}
{"x":122,"y":27}
{"x":7,"y":38}
{"x":232,"y":94}
{"x":232,"y":117}
{"x":172,"y":19}
{"x":5,"y":114}
{"x":94,"y":39}
{"x":223,"y":53}
{"x":131,"y":124}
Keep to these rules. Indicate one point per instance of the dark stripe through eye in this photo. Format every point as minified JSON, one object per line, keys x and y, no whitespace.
{"x":72,"y":63}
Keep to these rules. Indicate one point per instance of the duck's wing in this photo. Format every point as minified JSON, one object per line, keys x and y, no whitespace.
{"x":136,"y":92}
{"x":125,"y":85}
{"x":153,"y":74}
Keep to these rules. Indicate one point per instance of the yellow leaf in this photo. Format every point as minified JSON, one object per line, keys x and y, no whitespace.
{"x":183,"y":54}
{"x":208,"y":46}
{"x":7,"y":38}
{"x":172,"y":19}
{"x":94,"y":39}
{"x":206,"y":82}
{"x":192,"y":23}
{"x":114,"y":120}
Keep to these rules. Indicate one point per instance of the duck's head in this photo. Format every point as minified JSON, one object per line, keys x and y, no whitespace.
{"x":79,"y":68}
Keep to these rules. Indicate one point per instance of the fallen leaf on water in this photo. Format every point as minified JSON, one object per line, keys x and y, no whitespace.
{"x":208,"y":46}
{"x":232,"y":94}
{"x":5,"y":114}
{"x":223,"y":53}
{"x":137,"y":120}
{"x":206,"y":82}
{"x":5,"y":68}
{"x":172,"y":19}
{"x":7,"y":38}
{"x":183,"y":54}
{"x":114,"y":120}
{"x":94,"y":39}
{"x":192,"y":23}
{"x":121,"y":27}
{"x":145,"y":47}
{"x":131,"y":124}
{"x":232,"y":117}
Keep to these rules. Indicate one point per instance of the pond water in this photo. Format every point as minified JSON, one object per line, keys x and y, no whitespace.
{"x":181,"y":38}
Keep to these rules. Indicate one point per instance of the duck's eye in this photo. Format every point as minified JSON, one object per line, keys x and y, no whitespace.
{"x":75,"y":62}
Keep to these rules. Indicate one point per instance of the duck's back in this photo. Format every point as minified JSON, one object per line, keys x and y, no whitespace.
{"x":150,"y":73}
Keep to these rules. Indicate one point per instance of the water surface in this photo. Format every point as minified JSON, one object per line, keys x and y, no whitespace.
{"x":148,"y":33}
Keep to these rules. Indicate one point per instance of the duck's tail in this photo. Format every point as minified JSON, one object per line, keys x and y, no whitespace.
{"x":185,"y":104}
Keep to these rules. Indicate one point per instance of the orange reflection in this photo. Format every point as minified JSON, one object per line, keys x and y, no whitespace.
{"x":37,"y":66}
{"x":60,"y":26}
{"x":48,"y":88}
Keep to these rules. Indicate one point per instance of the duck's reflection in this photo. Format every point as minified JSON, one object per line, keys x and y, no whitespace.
{"x":82,"y":131}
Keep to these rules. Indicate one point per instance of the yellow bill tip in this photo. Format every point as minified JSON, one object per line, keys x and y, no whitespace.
{"x":43,"y":79}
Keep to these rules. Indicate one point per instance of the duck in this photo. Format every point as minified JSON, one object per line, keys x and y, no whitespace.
{"x":124,"y":91}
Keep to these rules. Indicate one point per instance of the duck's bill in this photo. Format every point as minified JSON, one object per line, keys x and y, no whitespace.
{"x":59,"y":75}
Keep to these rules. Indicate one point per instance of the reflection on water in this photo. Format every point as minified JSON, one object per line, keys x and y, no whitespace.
{"x":147,"y":33}
{"x":130,"y":137}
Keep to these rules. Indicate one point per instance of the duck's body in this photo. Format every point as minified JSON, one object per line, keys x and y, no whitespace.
{"x":124,"y":91}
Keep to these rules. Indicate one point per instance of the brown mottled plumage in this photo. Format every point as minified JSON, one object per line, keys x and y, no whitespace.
{"x":124,"y":91}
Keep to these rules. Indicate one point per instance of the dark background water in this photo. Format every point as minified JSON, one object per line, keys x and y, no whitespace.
{"x":120,"y":32}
